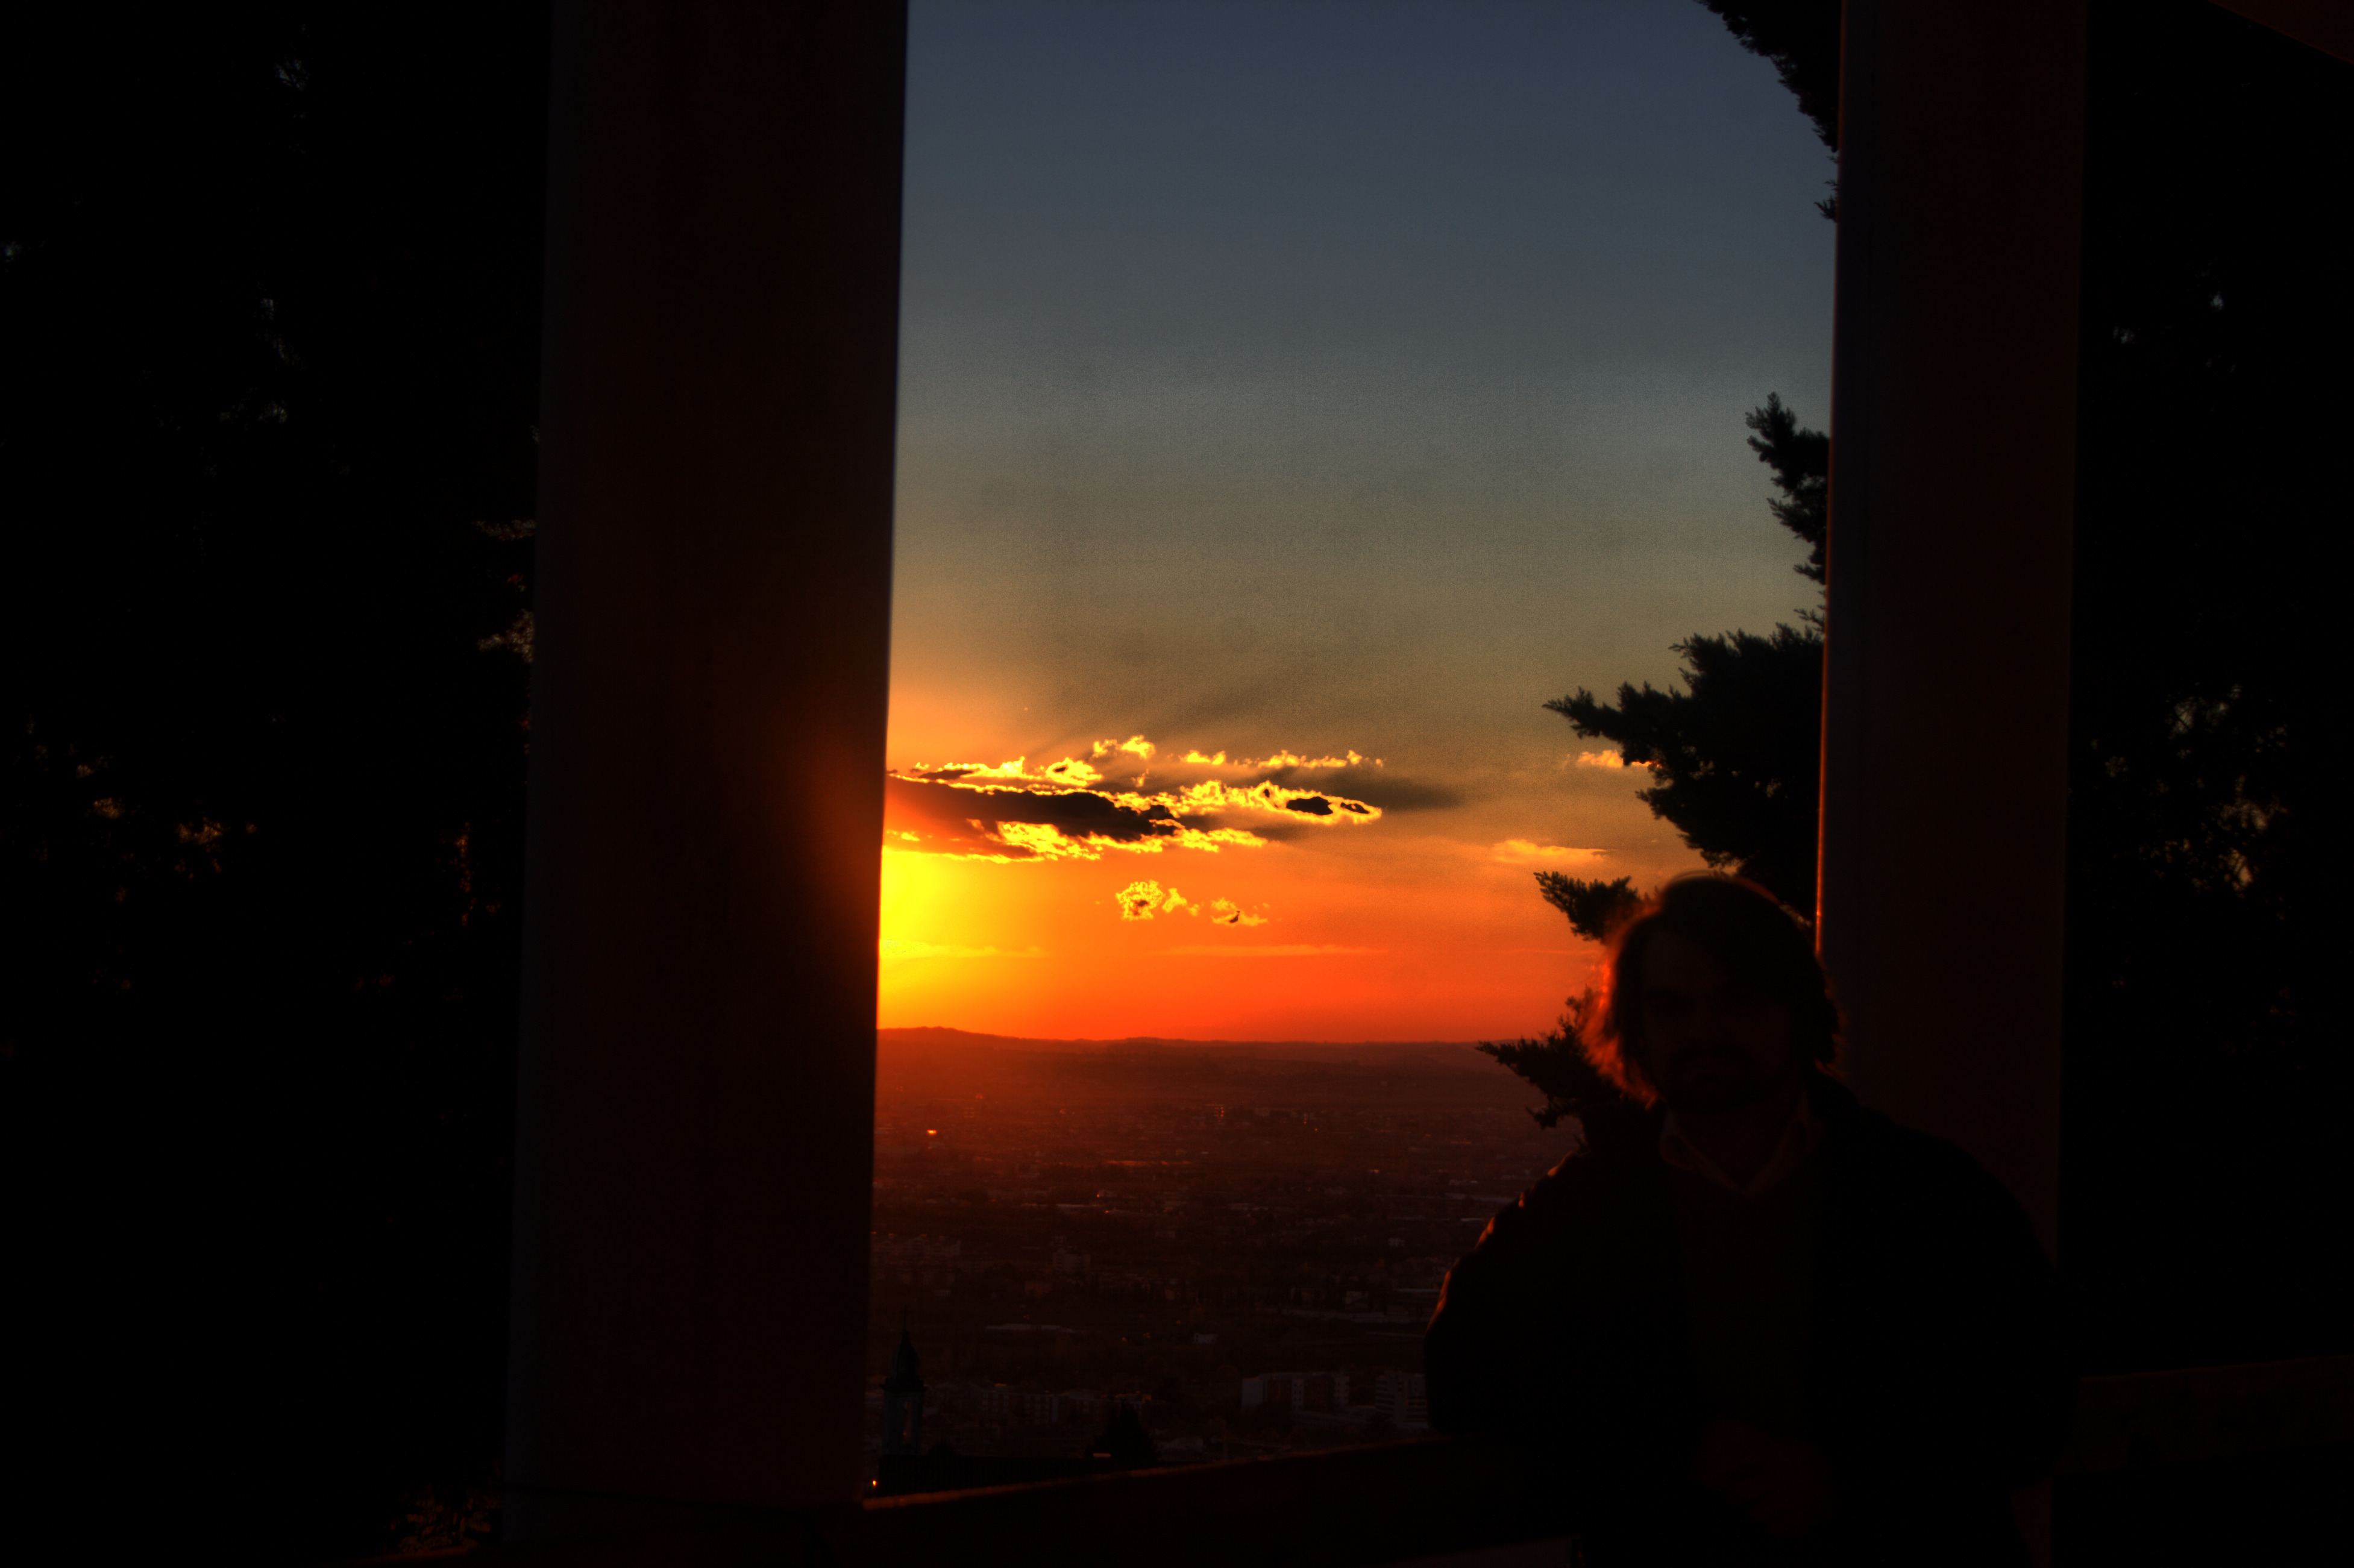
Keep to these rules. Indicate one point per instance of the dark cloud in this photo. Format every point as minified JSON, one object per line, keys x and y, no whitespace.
{"x":967,"y":820}
{"x":1077,"y":808}
{"x":1070,"y":771}
{"x":1285,"y":833}
{"x":1377,"y":788}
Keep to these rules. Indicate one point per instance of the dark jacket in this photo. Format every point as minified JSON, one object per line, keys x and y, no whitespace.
{"x":1934,"y":1372}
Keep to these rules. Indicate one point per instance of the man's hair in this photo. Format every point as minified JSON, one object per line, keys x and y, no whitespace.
{"x":1745,"y":933}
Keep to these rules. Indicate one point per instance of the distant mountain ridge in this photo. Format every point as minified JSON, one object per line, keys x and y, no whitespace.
{"x":921,"y":1040}
{"x":930,"y":1066}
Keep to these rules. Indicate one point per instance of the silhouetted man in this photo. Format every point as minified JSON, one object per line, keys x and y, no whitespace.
{"x":1757,"y":1322}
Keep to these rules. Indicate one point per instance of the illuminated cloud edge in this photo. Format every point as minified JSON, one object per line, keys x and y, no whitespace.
{"x":1074,"y":809}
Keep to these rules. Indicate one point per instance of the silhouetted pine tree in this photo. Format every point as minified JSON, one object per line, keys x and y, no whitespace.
{"x":1736,"y":756}
{"x":1802,"y":38}
{"x":1594,"y":907}
{"x":1558,"y":1065}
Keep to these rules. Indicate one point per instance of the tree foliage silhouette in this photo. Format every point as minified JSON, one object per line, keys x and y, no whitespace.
{"x":268,"y":302}
{"x":2208,"y":1045}
{"x":1735,"y":756}
{"x":1594,"y":907}
{"x":1558,"y":1065}
{"x":1801,"y":461}
{"x":1801,"y":37}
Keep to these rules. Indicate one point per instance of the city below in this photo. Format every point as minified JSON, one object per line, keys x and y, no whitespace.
{"x":1239,"y":1244}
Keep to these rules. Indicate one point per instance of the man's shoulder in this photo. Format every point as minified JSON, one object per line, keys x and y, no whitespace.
{"x":1604,"y":1174}
{"x":1889,"y":1164}
{"x":1599,"y":1215}
{"x":1887,"y":1147}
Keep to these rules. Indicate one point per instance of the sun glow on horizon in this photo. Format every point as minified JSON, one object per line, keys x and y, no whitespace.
{"x":1029,"y":928}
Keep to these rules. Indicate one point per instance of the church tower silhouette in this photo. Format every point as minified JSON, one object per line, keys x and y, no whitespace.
{"x":903,"y":1399}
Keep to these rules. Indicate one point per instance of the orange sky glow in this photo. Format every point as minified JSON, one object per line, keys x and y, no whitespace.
{"x":1131,"y":889}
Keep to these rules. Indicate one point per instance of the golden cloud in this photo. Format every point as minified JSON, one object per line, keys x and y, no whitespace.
{"x":1527,"y":852}
{"x":1280,"y":760}
{"x":1143,"y":899}
{"x":1071,"y":809}
{"x":1070,"y":773}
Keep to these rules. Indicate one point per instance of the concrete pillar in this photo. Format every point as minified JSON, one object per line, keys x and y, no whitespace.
{"x":693,"y":1137}
{"x":1945,"y":694}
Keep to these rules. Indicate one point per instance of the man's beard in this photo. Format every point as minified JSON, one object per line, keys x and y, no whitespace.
{"x":1708,"y":1080}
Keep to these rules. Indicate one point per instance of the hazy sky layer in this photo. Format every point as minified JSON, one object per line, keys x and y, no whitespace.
{"x":1290,"y":377}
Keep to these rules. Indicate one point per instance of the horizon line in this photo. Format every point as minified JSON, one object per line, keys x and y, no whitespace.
{"x":882,"y":1028}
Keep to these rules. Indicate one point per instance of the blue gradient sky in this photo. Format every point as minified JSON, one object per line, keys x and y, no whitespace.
{"x":1328,"y":377}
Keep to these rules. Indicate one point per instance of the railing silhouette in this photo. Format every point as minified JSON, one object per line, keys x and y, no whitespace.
{"x":2141,"y":1419}
{"x":1386,"y":1504}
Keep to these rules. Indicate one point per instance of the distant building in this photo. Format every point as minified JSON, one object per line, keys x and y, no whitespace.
{"x":915,"y":1260}
{"x":1402,"y":1398}
{"x":1121,"y":1443}
{"x":1019,"y":1406}
{"x":1083,"y":1406}
{"x":1321,"y":1393}
{"x":891,"y":1249}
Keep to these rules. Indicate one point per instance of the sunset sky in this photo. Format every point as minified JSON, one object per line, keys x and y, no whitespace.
{"x":1293,"y":398}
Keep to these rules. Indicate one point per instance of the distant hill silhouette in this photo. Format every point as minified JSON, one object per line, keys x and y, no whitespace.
{"x":905,"y":1044}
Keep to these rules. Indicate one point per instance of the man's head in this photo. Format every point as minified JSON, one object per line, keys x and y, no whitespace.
{"x":1713,"y":1000}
